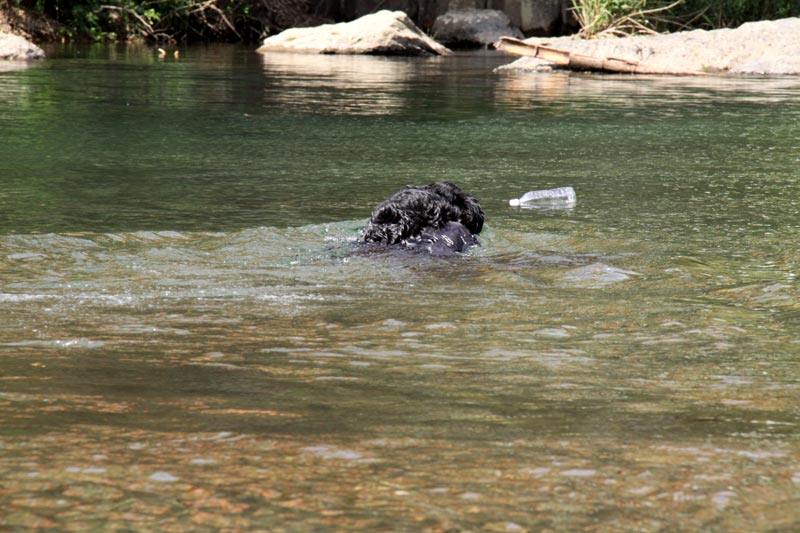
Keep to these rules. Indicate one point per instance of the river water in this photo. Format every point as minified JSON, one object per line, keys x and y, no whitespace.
{"x":189,"y":339}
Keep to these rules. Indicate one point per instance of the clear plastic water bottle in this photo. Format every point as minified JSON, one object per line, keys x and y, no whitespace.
{"x":561,"y":196}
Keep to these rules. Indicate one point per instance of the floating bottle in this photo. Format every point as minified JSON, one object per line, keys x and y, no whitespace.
{"x":559,"y":197}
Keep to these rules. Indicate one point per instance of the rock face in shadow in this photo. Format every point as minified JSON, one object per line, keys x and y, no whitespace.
{"x":381,"y":33}
{"x":16,"y":48}
{"x":473,"y":28}
{"x":533,"y":17}
{"x":765,"y":47}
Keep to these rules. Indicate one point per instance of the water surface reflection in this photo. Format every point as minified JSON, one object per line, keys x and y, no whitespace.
{"x":348,"y":84}
{"x":533,"y":89}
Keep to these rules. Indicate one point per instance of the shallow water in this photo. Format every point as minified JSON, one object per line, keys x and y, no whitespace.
{"x":190,"y":340}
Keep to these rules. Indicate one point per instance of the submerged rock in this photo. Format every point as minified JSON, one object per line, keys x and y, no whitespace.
{"x":381,"y":33}
{"x":597,"y":275}
{"x":473,"y":27}
{"x":764,"y":47}
{"x":163,"y":477}
{"x":16,"y":48}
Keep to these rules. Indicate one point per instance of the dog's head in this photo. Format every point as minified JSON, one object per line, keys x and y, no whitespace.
{"x":412,"y":209}
{"x":403,"y":215}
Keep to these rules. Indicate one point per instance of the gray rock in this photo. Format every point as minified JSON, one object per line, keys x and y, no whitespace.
{"x":381,"y":33}
{"x":473,"y":27}
{"x":16,"y":48}
{"x":764,"y":47}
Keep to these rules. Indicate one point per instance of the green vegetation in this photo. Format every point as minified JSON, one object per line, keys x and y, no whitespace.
{"x":650,"y":16}
{"x":732,"y":13}
{"x":166,"y":20}
{"x":616,"y":16}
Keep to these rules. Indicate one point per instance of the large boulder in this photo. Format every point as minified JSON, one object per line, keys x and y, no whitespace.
{"x":381,"y":33}
{"x":16,"y":48}
{"x":473,"y":28}
{"x":764,"y":47}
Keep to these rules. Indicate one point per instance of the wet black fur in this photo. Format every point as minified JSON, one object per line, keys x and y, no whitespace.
{"x":438,"y":217}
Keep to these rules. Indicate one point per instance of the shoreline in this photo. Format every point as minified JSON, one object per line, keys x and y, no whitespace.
{"x":768,"y":47}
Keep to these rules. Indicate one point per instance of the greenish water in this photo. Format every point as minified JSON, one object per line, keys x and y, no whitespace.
{"x":189,"y":341}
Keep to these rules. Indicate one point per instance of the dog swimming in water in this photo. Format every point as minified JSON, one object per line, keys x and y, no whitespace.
{"x":438,"y":218}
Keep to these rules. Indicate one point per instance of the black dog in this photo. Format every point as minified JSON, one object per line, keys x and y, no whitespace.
{"x":438,"y":218}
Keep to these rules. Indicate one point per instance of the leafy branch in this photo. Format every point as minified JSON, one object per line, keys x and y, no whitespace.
{"x":616,"y":17}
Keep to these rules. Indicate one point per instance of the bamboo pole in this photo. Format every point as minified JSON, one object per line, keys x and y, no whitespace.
{"x":582,"y":62}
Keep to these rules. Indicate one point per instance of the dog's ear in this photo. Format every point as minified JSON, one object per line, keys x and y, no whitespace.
{"x":385,"y":213}
{"x":386,"y":225}
{"x":462,"y":207}
{"x":472,"y":215}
